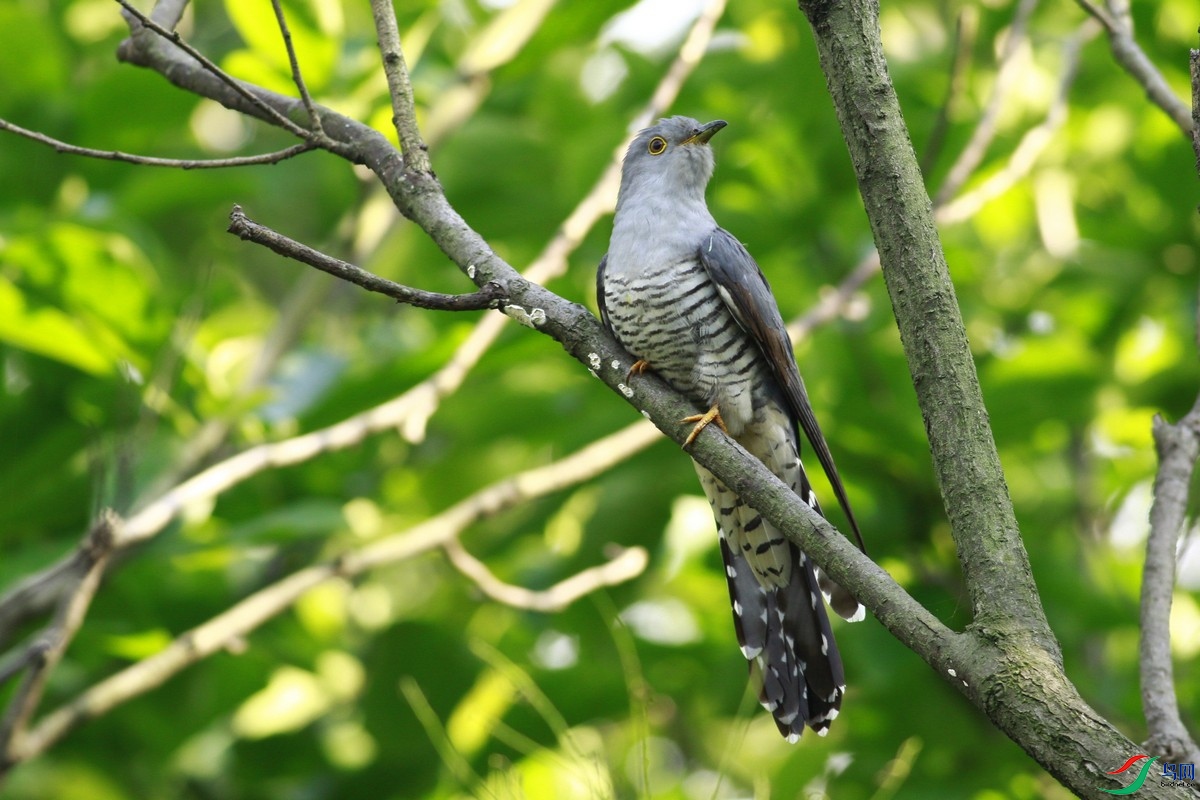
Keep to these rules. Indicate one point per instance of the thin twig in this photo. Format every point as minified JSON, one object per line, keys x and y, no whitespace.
{"x":1032,"y":143}
{"x":490,"y":295}
{"x":314,"y":119}
{"x":53,"y":644}
{"x":152,"y":161}
{"x":831,"y":304}
{"x":966,"y":27}
{"x":970,"y":157}
{"x":404,"y":114}
{"x":1118,"y":24}
{"x":1101,"y":15}
{"x":628,"y":564}
{"x":220,"y":74}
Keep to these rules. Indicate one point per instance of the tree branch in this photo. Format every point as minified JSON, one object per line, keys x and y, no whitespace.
{"x":625,"y":566}
{"x":263,"y":108}
{"x":1178,"y":447}
{"x":151,"y":161}
{"x":404,"y":115}
{"x":491,"y":295}
{"x":982,"y":521}
{"x":314,"y":119}
{"x":970,"y":157}
{"x":1118,"y":24}
{"x":49,"y":649}
{"x":242,"y":618}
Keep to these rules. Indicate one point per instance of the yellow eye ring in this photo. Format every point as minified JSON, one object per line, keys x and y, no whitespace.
{"x":657,"y":146}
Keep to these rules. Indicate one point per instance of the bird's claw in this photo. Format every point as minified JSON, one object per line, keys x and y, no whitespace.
{"x":702,"y":421}
{"x":638,"y":367}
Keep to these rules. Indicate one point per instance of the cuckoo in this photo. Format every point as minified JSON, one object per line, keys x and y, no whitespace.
{"x":686,"y":299}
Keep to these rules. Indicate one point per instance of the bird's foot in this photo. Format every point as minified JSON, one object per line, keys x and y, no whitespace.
{"x":638,"y":367}
{"x":702,"y":421}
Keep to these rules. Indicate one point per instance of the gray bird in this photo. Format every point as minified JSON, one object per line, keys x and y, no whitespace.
{"x":687,"y":300}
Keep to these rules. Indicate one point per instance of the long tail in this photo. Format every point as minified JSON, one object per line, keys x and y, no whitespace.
{"x":778,"y":615}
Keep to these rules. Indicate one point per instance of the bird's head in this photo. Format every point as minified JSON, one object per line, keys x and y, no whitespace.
{"x":672,"y":158}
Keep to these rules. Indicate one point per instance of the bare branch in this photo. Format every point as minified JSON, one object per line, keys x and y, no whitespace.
{"x":1032,"y":144}
{"x":625,"y":566}
{"x":831,"y":304}
{"x":404,"y":113}
{"x":1101,"y":15}
{"x":1194,"y":65}
{"x":411,"y":411}
{"x":151,"y":161}
{"x":489,"y":296}
{"x":314,"y":119}
{"x":970,"y":157}
{"x":220,"y":74}
{"x":1118,"y":24}
{"x":966,"y":27}
{"x":1178,"y":447}
{"x":232,"y":625}
{"x":47,"y":652}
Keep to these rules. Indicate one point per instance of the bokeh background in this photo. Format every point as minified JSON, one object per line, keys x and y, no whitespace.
{"x":139,"y":342}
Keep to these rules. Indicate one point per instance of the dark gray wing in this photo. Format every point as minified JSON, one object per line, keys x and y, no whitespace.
{"x":600,"y":295}
{"x":743,"y":287}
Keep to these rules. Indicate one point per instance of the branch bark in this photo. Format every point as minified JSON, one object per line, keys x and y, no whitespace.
{"x":1178,"y":447}
{"x":490,"y":295}
{"x":995,"y":567}
{"x":1117,"y":20}
{"x":1013,"y":667}
{"x":1007,"y":663}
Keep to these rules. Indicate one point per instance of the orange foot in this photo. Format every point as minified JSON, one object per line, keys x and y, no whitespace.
{"x":702,"y":421}
{"x":639,"y":367}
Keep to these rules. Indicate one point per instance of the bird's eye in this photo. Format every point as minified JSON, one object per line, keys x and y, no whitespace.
{"x":657,"y":145}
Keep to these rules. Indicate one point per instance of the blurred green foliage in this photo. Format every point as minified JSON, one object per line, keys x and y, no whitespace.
{"x":130,"y":323}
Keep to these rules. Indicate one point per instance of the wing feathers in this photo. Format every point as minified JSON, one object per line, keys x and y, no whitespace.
{"x":744,"y":289}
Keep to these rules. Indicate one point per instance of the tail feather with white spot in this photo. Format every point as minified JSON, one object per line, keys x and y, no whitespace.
{"x":778,"y":616}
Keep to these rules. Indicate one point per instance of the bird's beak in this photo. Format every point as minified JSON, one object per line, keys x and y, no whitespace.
{"x":706,"y":132}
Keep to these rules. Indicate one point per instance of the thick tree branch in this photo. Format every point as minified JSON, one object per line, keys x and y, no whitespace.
{"x":491,"y":295}
{"x":1013,"y":668}
{"x":982,"y":521}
